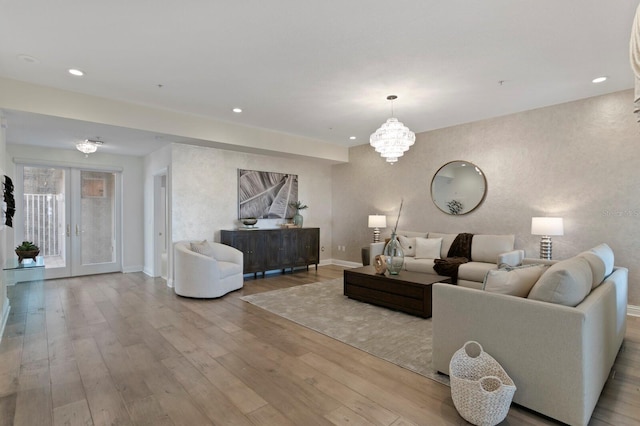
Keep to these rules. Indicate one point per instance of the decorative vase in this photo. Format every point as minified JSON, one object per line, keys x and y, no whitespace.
{"x":394,"y":255}
{"x":297,"y":219}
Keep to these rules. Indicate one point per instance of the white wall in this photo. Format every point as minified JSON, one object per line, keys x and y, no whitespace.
{"x":577,"y":160}
{"x":4,"y":301}
{"x":132,"y":194}
{"x":204,"y":190}
{"x":154,"y":163}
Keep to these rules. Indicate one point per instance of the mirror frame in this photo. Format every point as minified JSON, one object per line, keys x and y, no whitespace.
{"x":484,"y":182}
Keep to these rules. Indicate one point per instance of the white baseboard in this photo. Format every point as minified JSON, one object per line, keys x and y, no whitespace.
{"x":170,"y":283}
{"x":5,"y":316}
{"x":344,"y":263}
{"x":131,"y":269}
{"x":147,"y":272}
{"x":633,"y":310}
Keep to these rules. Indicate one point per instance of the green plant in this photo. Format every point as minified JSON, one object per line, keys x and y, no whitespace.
{"x":298,"y":205}
{"x":27,"y":246}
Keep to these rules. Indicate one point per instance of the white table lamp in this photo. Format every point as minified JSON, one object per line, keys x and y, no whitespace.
{"x":377,"y":221}
{"x":546,"y":226}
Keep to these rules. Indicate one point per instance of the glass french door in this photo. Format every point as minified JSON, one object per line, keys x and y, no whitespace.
{"x":73,"y":216}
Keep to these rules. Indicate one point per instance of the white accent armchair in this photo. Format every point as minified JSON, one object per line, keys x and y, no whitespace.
{"x":201,"y":276}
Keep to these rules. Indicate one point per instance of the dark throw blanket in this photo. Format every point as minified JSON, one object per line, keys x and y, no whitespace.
{"x":459,"y":253}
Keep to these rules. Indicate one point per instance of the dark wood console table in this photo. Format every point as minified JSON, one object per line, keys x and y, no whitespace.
{"x":273,"y":249}
{"x":408,"y":292}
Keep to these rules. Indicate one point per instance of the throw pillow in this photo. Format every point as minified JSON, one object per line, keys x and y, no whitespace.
{"x":598,"y":267}
{"x":606,"y":254}
{"x":428,"y":248}
{"x":408,"y":245}
{"x":567,"y":282}
{"x":513,"y":280}
{"x":202,"y":247}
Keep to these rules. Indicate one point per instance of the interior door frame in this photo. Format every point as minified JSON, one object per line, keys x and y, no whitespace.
{"x":160,"y":222}
{"x":68,"y":271}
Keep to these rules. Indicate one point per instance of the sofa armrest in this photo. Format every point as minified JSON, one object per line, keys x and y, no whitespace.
{"x":227,"y":253}
{"x":511,"y":258}
{"x":536,"y":261}
{"x":374,"y":250}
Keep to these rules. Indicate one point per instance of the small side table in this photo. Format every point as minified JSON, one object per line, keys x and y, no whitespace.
{"x":365,"y":256}
{"x":27,"y":270}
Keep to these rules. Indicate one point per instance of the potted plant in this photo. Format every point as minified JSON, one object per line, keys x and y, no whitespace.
{"x":27,"y":250}
{"x":297,"y":218}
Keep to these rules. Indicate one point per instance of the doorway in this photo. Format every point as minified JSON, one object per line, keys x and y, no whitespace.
{"x":161,"y":225}
{"x":73,"y":215}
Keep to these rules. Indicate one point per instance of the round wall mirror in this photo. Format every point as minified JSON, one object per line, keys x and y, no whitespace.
{"x":458,"y":187}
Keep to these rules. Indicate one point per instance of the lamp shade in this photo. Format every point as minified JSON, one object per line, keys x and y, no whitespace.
{"x":547,"y":226}
{"x":377,"y":221}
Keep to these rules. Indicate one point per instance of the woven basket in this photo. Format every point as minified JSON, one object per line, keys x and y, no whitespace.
{"x":480,"y":388}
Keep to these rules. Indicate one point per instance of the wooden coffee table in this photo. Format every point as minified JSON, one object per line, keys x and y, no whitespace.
{"x":408,"y":292}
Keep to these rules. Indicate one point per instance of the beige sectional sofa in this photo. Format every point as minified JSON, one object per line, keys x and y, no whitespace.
{"x":487,"y":252}
{"x":558,"y":355}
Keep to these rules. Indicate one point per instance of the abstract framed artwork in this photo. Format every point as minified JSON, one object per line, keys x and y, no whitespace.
{"x":266,"y":195}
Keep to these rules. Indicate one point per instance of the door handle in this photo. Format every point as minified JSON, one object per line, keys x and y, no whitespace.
{"x":77,"y":230}
{"x":68,"y":230}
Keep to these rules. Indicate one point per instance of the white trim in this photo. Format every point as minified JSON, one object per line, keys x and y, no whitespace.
{"x":6,"y":308}
{"x":633,"y":310}
{"x":345,"y":263}
{"x":70,"y":164}
{"x":147,"y":272}
{"x":170,"y":283}
{"x":130,"y":269}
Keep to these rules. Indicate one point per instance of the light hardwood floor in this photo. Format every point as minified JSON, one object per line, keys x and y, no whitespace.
{"x":124,"y":349}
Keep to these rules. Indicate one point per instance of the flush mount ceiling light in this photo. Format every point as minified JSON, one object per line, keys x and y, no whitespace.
{"x":237,"y":110}
{"x":393,"y":138}
{"x":599,"y":80}
{"x":75,"y":72}
{"x":88,"y":146}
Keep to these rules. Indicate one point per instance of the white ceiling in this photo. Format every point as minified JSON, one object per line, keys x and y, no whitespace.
{"x":315,"y":68}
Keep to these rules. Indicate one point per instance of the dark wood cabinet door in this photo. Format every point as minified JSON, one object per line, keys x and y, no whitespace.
{"x":274,"y":250}
{"x":308,"y":247}
{"x":251,"y":244}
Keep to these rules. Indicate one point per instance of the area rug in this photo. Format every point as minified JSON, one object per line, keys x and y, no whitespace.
{"x":402,"y":339}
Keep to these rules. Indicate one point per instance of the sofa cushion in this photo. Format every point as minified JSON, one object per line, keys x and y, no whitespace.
{"x":606,"y":254}
{"x":515,"y":281}
{"x":428,"y":248}
{"x":474,"y":271}
{"x":228,"y":269}
{"x":408,"y":245}
{"x":412,"y":234}
{"x":425,"y":266}
{"x":598,"y":267}
{"x":202,"y":247}
{"x":486,"y":248}
{"x":447,"y":240}
{"x":567,"y":282}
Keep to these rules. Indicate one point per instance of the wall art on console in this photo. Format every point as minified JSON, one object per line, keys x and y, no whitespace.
{"x":266,"y":195}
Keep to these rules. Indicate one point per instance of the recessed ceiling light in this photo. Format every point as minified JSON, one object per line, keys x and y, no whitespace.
{"x":352,"y":138}
{"x":76,"y":72}
{"x":599,"y":80}
{"x":237,"y":110}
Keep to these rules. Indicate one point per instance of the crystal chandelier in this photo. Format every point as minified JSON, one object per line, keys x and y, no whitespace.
{"x":88,"y":146}
{"x":393,"y":138}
